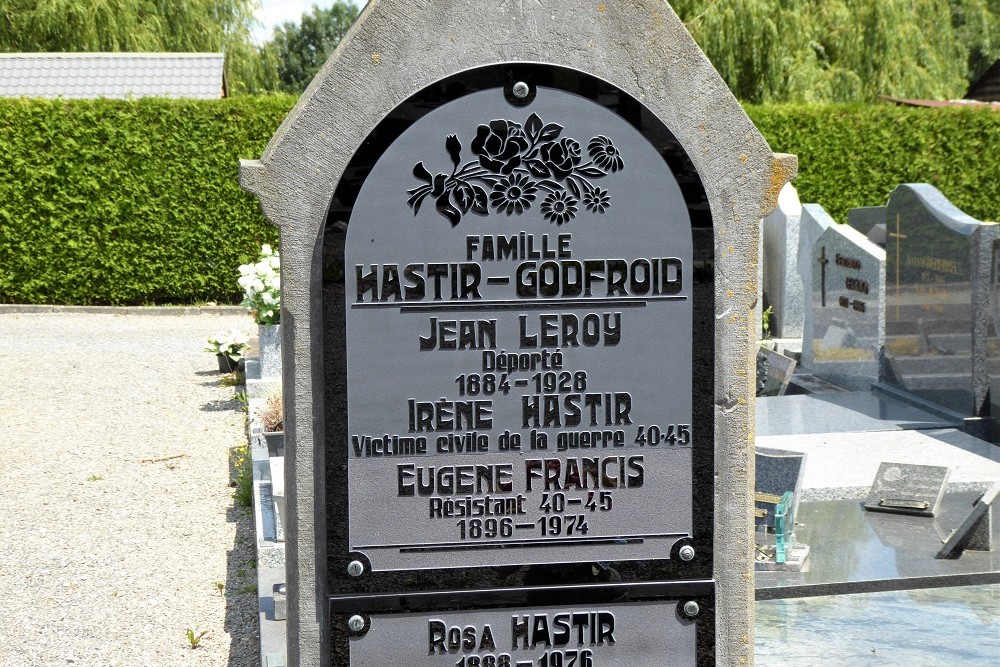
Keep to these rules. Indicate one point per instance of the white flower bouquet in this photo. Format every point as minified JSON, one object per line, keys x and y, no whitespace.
{"x":261,"y":283}
{"x":229,"y":343}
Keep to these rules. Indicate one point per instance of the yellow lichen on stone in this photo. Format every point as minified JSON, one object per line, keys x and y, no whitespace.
{"x":743,"y":158}
{"x":376,"y":57}
{"x":601,"y":7}
{"x":784,"y":167}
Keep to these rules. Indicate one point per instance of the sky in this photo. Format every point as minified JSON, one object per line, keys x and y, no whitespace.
{"x":275,"y":12}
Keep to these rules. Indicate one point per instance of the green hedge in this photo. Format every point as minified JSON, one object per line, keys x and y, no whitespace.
{"x":852,"y":155}
{"x":129,"y":202}
{"x":137,"y":202}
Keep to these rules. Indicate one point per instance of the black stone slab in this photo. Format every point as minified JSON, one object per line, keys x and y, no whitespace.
{"x":840,"y":412}
{"x":854,"y":551}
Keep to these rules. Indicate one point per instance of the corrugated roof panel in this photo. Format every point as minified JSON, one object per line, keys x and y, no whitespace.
{"x":114,"y":75}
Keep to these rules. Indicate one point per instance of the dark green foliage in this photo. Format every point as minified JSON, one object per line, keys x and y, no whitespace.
{"x":302,"y":49}
{"x":853,"y":155}
{"x":129,"y":202}
{"x":135,"y":202}
{"x":845,"y":50}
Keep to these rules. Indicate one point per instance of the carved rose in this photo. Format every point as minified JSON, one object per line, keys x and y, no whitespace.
{"x":561,"y":157}
{"x":499,"y":146}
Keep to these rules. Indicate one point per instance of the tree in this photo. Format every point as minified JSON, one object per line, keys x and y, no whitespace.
{"x":139,"y":26}
{"x":845,"y":50}
{"x":302,"y":49}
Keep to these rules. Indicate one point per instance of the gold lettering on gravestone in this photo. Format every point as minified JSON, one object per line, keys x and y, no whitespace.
{"x":899,"y":236}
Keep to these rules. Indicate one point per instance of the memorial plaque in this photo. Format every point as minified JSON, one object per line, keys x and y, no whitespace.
{"x":526,"y":298}
{"x":847,"y":333}
{"x":938,"y":262}
{"x":639,"y":635}
{"x":904,"y":488}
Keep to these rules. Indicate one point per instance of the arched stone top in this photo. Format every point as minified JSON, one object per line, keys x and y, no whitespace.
{"x":398,"y":47}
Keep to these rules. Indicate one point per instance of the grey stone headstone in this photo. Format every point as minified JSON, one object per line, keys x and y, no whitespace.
{"x":778,"y":471}
{"x":779,"y":264}
{"x":813,"y":222}
{"x":938,"y":316}
{"x":844,"y":343}
{"x":905,"y":488}
{"x":395,"y":50}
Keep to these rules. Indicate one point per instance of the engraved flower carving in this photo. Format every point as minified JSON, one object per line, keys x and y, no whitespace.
{"x":559,"y":207}
{"x":513,"y":163}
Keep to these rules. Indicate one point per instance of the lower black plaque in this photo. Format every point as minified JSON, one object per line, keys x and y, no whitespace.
{"x":644,"y":634}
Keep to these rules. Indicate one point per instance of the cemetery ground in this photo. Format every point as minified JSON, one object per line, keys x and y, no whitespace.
{"x":113,"y":550}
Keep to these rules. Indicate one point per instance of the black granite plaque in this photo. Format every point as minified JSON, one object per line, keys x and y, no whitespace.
{"x":519,"y":335}
{"x":905,"y":488}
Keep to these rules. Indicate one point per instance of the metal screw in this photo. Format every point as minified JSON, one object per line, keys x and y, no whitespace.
{"x":691,"y":608}
{"x":357,"y":623}
{"x":686,"y":552}
{"x":521,"y":90}
{"x":355,"y":568}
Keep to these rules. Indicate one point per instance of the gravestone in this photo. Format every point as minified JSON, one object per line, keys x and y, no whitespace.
{"x":907,"y":488}
{"x":781,"y":280}
{"x":813,"y":222}
{"x":505,"y":338}
{"x":939,"y":326}
{"x":844,"y":342}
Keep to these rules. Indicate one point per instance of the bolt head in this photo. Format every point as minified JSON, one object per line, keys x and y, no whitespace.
{"x":686,"y":552}
{"x":357,"y":623}
{"x":691,"y":608}
{"x":521,"y":90}
{"x":355,"y":568}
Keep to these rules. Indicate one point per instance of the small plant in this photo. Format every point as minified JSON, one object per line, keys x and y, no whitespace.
{"x":94,"y":478}
{"x":195,"y":639}
{"x":221,"y":587}
{"x":272,"y":417}
{"x":261,"y":283}
{"x":231,"y":343}
{"x":241,"y":396}
{"x":249,"y":588}
{"x":234,"y":379}
{"x":243,"y":495}
{"x":765,"y":321}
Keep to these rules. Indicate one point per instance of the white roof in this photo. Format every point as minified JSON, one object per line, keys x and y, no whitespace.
{"x":113,"y":75}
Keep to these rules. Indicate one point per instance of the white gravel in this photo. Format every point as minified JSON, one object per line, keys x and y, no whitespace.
{"x":107,"y":560}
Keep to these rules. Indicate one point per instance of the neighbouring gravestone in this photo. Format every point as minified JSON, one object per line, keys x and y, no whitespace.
{"x":781,"y":280}
{"x":845,"y":339}
{"x":907,"y":488}
{"x":813,"y":221}
{"x":939,"y":327}
{"x":517,"y":306}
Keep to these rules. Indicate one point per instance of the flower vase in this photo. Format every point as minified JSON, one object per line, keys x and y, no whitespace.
{"x":226,"y":365}
{"x":269,"y":342}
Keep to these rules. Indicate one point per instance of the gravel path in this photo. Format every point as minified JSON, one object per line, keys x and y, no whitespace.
{"x":107,"y":560}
